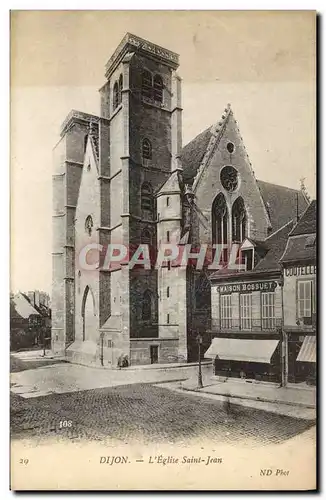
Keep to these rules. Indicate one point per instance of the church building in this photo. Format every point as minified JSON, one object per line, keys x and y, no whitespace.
{"x":123,"y":177}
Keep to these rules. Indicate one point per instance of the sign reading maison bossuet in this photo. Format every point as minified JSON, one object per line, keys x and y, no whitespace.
{"x":255,"y":286}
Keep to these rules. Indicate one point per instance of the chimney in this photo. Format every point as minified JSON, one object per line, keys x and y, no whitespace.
{"x":31,"y":297}
{"x":37,"y":298}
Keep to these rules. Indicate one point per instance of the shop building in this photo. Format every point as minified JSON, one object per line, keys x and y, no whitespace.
{"x":299,"y":299}
{"x":246,"y":329}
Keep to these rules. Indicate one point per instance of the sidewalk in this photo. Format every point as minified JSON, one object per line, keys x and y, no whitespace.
{"x":265,"y":392}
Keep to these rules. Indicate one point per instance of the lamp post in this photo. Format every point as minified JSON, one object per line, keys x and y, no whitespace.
{"x":199,"y":339}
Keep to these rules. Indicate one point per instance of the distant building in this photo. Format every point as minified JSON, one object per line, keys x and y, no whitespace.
{"x":30,"y":319}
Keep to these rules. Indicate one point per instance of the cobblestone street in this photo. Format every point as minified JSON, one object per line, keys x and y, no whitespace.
{"x":146,"y":413}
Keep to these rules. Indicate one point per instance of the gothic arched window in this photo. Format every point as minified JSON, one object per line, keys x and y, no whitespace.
{"x":146,"y":149}
{"x":146,"y":237}
{"x":120,"y":89}
{"x":147,"y":306}
{"x":146,"y":84}
{"x":147,"y":199}
{"x":115,"y":95}
{"x":158,"y":88}
{"x":220,"y":224}
{"x":89,"y":225}
{"x":239,"y":221}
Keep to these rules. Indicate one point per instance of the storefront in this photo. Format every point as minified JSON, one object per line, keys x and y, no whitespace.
{"x":247,"y":358}
{"x":299,"y":299}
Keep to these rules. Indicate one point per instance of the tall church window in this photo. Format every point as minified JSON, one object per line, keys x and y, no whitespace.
{"x":239,"y":221}
{"x":120,"y":89}
{"x":220,"y":224}
{"x":147,"y":199}
{"x":146,"y":149}
{"x":146,"y":85}
{"x":115,"y":95}
{"x":147,"y":306}
{"x":158,"y":88}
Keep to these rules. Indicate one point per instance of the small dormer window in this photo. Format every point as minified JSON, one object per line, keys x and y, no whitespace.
{"x":310,"y":241}
{"x":230,"y":147}
{"x":158,"y":88}
{"x":146,"y":149}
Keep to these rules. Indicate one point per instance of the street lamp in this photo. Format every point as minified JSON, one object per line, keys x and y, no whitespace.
{"x":199,"y":339}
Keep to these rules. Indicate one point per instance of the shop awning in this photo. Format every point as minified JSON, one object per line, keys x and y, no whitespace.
{"x":258,"y":351}
{"x":308,"y":350}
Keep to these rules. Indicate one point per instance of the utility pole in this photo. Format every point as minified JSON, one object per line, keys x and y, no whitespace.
{"x":199,"y":339}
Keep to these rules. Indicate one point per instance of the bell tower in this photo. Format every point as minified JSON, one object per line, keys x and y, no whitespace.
{"x":142,"y":101}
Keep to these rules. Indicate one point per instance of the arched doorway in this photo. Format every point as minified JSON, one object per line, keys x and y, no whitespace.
{"x":88,"y":314}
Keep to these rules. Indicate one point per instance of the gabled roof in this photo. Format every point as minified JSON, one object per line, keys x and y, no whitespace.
{"x":308,"y":221}
{"x":281,"y":203}
{"x":171,"y":185}
{"x":192,"y":154}
{"x":22,"y":306}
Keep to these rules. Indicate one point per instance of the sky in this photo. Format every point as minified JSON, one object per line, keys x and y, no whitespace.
{"x":263,"y":63}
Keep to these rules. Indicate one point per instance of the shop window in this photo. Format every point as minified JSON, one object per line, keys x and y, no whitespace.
{"x":226,"y":311}
{"x":306,"y":301}
{"x":245,"y":311}
{"x":268,"y":310}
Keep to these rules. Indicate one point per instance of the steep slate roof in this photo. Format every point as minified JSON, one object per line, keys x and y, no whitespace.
{"x":192,"y":154}
{"x":307,"y":223}
{"x":276,"y":244}
{"x":299,"y":249}
{"x":281,"y":203}
{"x":301,"y":246}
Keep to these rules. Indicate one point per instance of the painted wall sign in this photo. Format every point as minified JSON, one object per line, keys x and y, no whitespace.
{"x":256,"y":286}
{"x":299,"y":270}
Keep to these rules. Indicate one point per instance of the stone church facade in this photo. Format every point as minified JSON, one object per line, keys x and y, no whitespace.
{"x":124,"y":178}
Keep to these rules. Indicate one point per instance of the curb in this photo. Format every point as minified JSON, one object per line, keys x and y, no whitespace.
{"x":258,"y":399}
